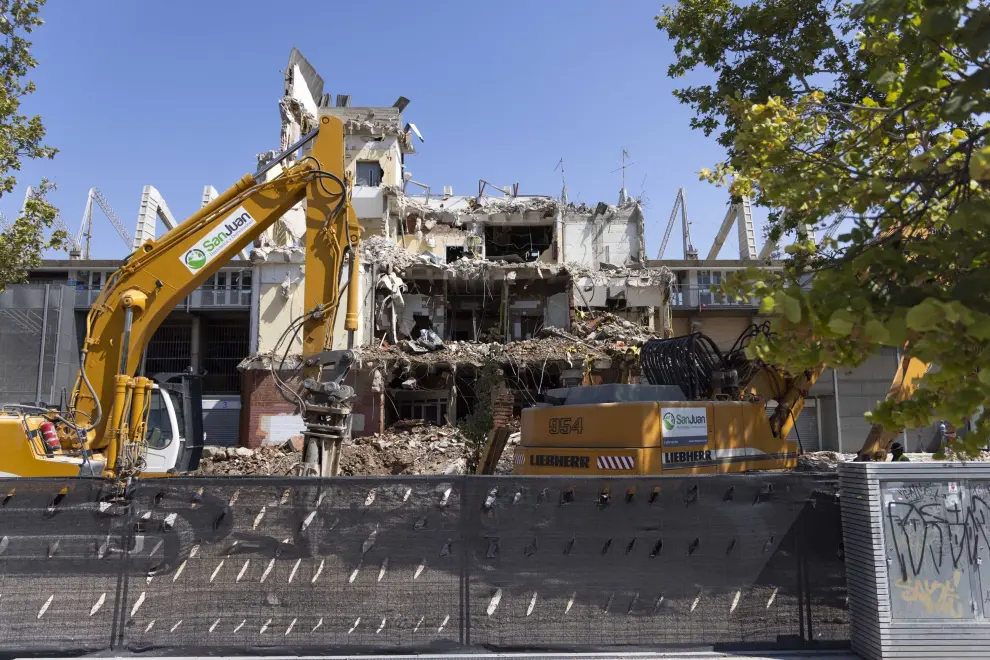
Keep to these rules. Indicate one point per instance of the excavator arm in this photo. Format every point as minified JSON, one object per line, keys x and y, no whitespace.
{"x":108,"y":402}
{"x":909,"y":373}
{"x":788,"y":392}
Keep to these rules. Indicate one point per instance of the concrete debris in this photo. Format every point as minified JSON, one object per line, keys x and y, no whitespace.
{"x":271,"y":460}
{"x":507,"y":459}
{"x":552,"y":347}
{"x":546,"y":206}
{"x":267,"y":360}
{"x":293,"y":254}
{"x":409,"y":447}
{"x":386,"y":252}
{"x":612,"y":333}
{"x":428,"y":341}
{"x":822,"y":461}
{"x":458,"y":210}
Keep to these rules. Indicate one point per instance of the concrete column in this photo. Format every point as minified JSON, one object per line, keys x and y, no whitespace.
{"x":838,"y":417}
{"x":255,"y":310}
{"x":195,"y":352}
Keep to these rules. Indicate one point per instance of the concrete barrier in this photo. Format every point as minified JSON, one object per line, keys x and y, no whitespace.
{"x":917,"y":539}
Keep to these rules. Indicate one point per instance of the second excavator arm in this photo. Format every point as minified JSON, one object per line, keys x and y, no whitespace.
{"x":108,"y":401}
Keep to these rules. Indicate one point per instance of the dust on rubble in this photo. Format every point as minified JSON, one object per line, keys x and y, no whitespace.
{"x":268,"y":460}
{"x":410,"y":447}
{"x":602,"y":337}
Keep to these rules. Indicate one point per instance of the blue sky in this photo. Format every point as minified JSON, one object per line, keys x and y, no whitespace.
{"x":180,"y":94}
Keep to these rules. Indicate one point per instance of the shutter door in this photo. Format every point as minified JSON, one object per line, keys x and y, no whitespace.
{"x":806,"y":427}
{"x":221,"y":420}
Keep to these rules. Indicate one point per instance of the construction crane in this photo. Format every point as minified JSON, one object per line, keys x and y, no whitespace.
{"x":72,"y":240}
{"x":679,"y":203}
{"x":804,"y":231}
{"x":153,"y":207}
{"x":741,"y":214}
{"x":86,"y":228}
{"x":830,"y":232}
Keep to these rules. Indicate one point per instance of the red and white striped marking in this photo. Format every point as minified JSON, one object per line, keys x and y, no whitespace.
{"x":616,"y":463}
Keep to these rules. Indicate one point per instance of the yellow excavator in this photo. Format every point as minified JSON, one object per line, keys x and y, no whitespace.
{"x":703,"y":412}
{"x":118,"y":422}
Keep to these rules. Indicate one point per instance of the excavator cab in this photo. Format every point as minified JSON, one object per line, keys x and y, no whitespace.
{"x":175,"y":423}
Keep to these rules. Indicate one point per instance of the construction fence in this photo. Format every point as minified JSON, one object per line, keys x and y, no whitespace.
{"x":39,"y":350}
{"x":206,"y":566}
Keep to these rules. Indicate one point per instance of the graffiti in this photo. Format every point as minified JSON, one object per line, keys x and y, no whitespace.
{"x":934,"y":525}
{"x":918,"y":492}
{"x":937,"y":597}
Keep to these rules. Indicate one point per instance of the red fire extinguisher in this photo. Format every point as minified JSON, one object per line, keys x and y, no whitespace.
{"x":49,"y":435}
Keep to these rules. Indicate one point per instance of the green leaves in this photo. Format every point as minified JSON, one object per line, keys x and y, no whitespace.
{"x":790,"y":308}
{"x":842,"y":322}
{"x":22,"y":138}
{"x":925,"y":316}
{"x":876,"y":331}
{"x":875,"y":117}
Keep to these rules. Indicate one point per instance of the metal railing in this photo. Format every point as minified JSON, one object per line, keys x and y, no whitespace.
{"x":686,"y":296}
{"x":206,"y":296}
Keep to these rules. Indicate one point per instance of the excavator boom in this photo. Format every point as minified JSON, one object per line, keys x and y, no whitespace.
{"x":109,"y":404}
{"x":910,"y":371}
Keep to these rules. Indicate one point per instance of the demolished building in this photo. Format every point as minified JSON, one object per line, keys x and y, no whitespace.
{"x":448,"y":284}
{"x":576,"y":300}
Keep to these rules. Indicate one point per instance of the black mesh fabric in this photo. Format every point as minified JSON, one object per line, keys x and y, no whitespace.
{"x":219,"y":566}
{"x":60,"y":561}
{"x":684,"y":561}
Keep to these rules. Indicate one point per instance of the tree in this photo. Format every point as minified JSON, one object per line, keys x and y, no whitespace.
{"x":906,"y":166}
{"x":21,"y":137}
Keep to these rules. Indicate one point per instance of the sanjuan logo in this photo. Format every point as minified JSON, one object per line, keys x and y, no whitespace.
{"x":195,"y":259}
{"x":689,"y":419}
{"x":668,"y":421}
{"x":231,"y":227}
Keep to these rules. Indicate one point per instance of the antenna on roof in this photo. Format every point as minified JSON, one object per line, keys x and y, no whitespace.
{"x":563,"y":181}
{"x":623,"y":195}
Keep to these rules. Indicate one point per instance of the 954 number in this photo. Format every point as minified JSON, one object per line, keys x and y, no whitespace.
{"x":565,"y":425}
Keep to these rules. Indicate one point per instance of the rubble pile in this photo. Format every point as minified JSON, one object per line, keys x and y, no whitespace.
{"x":556,"y":345}
{"x":611,"y":331}
{"x":822,"y":461}
{"x":635,"y":276}
{"x":267,"y":460}
{"x":545,"y":206}
{"x":386,"y":252}
{"x":508,"y":457}
{"x":409,"y":447}
{"x":459,"y":210}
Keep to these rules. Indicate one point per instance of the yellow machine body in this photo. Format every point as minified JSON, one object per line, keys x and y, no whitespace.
{"x":106,"y":425}
{"x":640,"y":438}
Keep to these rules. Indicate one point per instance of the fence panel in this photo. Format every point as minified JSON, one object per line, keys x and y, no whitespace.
{"x":220,"y":566}
{"x":60,"y":565}
{"x":300,"y":564}
{"x":681,"y":561}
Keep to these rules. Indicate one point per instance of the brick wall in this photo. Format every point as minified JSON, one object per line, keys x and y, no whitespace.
{"x":370,"y":405}
{"x":502,"y":408}
{"x":259,"y":398}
